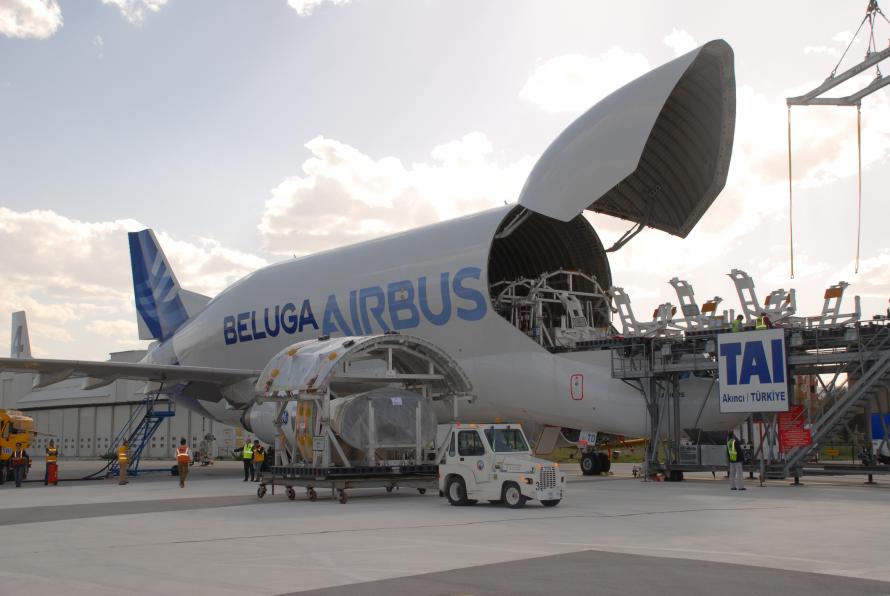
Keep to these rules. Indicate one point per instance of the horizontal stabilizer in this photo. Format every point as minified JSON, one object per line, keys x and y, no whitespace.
{"x":50,"y":371}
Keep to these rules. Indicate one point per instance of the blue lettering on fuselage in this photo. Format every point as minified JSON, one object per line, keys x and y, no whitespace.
{"x":400,"y":305}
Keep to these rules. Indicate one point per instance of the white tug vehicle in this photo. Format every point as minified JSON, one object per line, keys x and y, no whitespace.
{"x":493,"y":462}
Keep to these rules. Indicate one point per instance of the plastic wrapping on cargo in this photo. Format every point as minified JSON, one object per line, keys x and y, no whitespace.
{"x":395,"y":412}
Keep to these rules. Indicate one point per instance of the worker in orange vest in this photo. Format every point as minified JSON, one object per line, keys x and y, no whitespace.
{"x":52,"y":457}
{"x":259,"y":456}
{"x":183,"y":459}
{"x":20,"y":461}
{"x":123,"y":462}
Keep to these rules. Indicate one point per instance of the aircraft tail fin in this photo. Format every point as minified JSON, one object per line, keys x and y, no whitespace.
{"x":21,"y":342}
{"x":162,"y":306}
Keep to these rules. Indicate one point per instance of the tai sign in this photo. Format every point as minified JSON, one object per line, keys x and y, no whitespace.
{"x":752,"y":371}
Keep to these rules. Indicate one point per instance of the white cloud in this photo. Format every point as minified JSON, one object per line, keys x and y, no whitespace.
{"x":820,"y":50}
{"x":73,"y":279}
{"x":574,"y":82}
{"x":680,"y":41}
{"x":841,"y":40}
{"x":345,"y":196}
{"x":305,"y":8}
{"x":135,"y":10}
{"x":37,"y":19}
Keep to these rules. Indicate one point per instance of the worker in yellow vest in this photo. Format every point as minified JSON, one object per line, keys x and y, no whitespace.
{"x":259,"y":456}
{"x":763,"y":322}
{"x":183,"y":459}
{"x":247,"y":456}
{"x":734,"y":455}
{"x":123,"y":462}
{"x":20,"y":461}
{"x":737,"y":324}
{"x":52,"y":457}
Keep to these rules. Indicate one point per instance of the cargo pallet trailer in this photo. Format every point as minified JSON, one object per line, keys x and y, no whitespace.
{"x":339,"y":479}
{"x":303,"y":381}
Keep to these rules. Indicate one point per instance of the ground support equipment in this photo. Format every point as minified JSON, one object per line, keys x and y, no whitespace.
{"x":338,"y":479}
{"x":303,"y":381}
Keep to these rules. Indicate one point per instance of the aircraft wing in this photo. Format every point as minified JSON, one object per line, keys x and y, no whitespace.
{"x":98,"y":374}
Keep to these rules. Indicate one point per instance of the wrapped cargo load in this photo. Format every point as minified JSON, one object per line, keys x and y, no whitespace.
{"x":395,"y":414}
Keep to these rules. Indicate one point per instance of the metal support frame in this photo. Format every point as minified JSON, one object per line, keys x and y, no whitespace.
{"x":813,"y":98}
{"x":850,"y":361}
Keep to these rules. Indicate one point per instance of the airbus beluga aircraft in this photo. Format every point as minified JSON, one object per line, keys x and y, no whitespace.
{"x":511,"y":293}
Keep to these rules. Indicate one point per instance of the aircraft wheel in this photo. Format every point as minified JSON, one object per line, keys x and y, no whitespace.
{"x":291,"y":493}
{"x":550,"y":502}
{"x":605,"y":462}
{"x":456,"y":492}
{"x":512,"y":496}
{"x":590,"y":464}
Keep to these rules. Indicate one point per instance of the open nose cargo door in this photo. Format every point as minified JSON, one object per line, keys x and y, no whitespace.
{"x":655,"y":152}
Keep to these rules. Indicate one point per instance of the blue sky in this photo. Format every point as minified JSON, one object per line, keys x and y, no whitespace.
{"x":232,"y":127}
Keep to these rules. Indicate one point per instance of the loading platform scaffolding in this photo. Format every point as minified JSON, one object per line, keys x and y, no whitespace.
{"x":841,"y":361}
{"x":850,"y":361}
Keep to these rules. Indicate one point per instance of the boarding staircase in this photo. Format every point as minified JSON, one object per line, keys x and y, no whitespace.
{"x":138,"y":431}
{"x":866,"y":375}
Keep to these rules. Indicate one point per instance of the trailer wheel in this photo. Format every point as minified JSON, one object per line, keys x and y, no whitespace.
{"x":310,"y":492}
{"x":389,"y":489}
{"x":2,"y":473}
{"x":261,"y":491}
{"x":421,"y":491}
{"x":512,"y":496}
{"x":456,"y":492}
{"x":291,"y":493}
{"x":550,"y":502}
{"x":605,"y":462}
{"x":343,"y":497}
{"x":590,"y":464}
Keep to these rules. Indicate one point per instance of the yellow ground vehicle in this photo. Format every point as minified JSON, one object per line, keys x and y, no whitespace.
{"x":15,"y":427}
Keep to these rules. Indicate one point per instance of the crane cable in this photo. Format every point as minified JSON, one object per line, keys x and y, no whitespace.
{"x":790,"y":199}
{"x":859,"y":164}
{"x":859,"y":191}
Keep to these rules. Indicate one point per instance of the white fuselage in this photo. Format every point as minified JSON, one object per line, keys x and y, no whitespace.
{"x":431,"y":283}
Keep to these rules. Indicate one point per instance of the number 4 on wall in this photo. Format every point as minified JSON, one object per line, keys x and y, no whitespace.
{"x":576,"y":386}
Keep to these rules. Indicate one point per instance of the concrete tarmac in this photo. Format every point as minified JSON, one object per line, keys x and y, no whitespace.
{"x":614,"y":535}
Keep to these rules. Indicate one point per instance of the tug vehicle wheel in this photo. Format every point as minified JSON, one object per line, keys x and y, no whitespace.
{"x":512,"y":496}
{"x":550,"y":502}
{"x":456,"y":492}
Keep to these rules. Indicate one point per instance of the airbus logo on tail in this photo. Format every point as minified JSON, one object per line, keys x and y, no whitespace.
{"x":398,"y":306}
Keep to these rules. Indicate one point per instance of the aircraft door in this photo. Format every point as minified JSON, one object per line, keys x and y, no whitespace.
{"x":472,"y":454}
